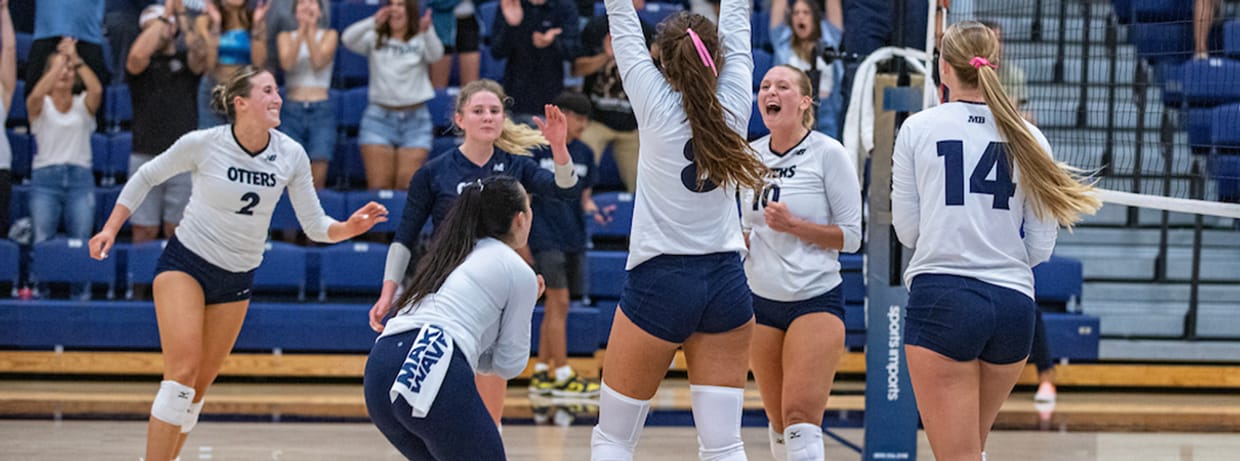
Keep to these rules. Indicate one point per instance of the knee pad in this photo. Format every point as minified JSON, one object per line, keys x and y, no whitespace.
{"x":717,"y":415}
{"x":620,"y":423}
{"x":804,"y":442}
{"x":172,"y":402}
{"x":779,"y":451}
{"x":191,"y":417}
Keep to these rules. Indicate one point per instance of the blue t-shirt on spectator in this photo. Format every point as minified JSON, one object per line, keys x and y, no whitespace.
{"x":80,"y":19}
{"x":559,"y":223}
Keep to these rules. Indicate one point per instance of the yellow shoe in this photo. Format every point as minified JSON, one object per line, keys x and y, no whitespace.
{"x":541,"y":383}
{"x":575,"y":386}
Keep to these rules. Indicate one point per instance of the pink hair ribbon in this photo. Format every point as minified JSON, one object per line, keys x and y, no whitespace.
{"x":979,"y":61}
{"x":702,"y":52}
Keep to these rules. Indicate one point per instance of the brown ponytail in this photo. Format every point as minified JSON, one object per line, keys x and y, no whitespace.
{"x":1054,"y":188}
{"x":722,"y":156}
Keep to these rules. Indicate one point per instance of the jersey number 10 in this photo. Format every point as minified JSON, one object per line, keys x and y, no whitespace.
{"x":1000,"y":188}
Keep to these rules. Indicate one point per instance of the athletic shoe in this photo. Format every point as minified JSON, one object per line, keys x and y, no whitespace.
{"x":541,"y":383}
{"x":1046,"y":393}
{"x":575,"y":386}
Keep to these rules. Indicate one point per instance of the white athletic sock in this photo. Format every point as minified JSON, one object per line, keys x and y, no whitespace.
{"x":620,"y":422}
{"x":563,"y":373}
{"x":540,"y":367}
{"x":804,"y":442}
{"x":983,"y":456}
{"x":779,"y":451}
{"x":717,"y":415}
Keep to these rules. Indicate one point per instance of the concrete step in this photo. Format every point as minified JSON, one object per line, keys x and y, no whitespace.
{"x":1072,"y":49}
{"x":1070,"y":94}
{"x":1090,"y":156}
{"x":1211,"y":238}
{"x":1128,"y":319}
{"x":1041,"y":69}
{"x":1222,"y":294}
{"x":1169,"y":350}
{"x":1063,"y":113}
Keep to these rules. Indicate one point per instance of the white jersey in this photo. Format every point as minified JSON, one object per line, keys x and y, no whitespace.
{"x":817,"y":182}
{"x":485,"y":306}
{"x":955,"y":203}
{"x":670,"y":216}
{"x":229,"y":213}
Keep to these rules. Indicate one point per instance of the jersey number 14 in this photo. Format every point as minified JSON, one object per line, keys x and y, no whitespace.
{"x":1001,"y":188}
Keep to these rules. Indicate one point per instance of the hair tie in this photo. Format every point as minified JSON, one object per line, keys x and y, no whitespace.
{"x":979,"y":61}
{"x":702,"y":52}
{"x":478,"y":182}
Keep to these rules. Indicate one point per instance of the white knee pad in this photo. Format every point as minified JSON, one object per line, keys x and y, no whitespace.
{"x":804,"y":442}
{"x":717,"y":415}
{"x":172,"y":402}
{"x":191,"y":417}
{"x":620,"y":422}
{"x":779,"y":451}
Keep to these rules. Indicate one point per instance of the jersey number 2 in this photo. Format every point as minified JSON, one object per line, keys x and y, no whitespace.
{"x":251,"y":199}
{"x":993,"y":159}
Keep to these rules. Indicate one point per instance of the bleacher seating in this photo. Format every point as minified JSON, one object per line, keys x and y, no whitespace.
{"x":442,"y":108}
{"x":346,"y":168}
{"x":621,"y":216}
{"x":1058,"y":281}
{"x":140,"y":261}
{"x":67,"y":260}
{"x":606,"y":273}
{"x":757,"y":127}
{"x":1211,"y":81}
{"x":1231,"y":38}
{"x":354,"y":267}
{"x":762,"y":62}
{"x":491,"y":67}
{"x":350,"y":104}
{"x":21,"y":145}
{"x":283,"y":268}
{"x":19,"y":202}
{"x":394,"y":200}
{"x":118,"y":108}
{"x":349,"y":69}
{"x":656,"y":12}
{"x":1159,"y":11}
{"x":105,"y":200}
{"x":17,"y":114}
{"x":582,"y":328}
{"x":10,"y":264}
{"x":486,"y":19}
{"x":24,"y":42}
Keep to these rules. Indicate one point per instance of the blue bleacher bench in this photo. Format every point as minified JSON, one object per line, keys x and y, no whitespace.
{"x":582,"y":329}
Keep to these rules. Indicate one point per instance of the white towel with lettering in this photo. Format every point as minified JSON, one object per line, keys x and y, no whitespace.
{"x":424,"y":370}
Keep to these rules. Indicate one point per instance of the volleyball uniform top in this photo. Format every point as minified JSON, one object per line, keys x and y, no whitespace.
{"x":985,"y":227}
{"x":816,"y":180}
{"x":235,"y":192}
{"x":399,"y":69}
{"x":435,"y":187}
{"x":670,"y":215}
{"x":485,"y":306}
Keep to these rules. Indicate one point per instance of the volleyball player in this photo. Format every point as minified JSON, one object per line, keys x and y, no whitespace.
{"x":686,"y":285}
{"x":493,"y":145}
{"x":970,"y":312}
{"x":809,"y":211}
{"x":203,"y":278}
{"x":468,"y":310}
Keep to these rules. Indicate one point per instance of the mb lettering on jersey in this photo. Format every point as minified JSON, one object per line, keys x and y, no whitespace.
{"x":253,"y":178}
{"x":428,"y":351}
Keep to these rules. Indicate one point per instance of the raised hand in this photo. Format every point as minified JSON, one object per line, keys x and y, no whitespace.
{"x":260,"y":11}
{"x":425,"y":23}
{"x":213,"y":14}
{"x":554,"y":127}
{"x":513,"y":14}
{"x":381,"y":16}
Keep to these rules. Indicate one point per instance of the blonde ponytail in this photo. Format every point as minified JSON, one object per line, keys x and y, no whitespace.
{"x":1055,"y":189}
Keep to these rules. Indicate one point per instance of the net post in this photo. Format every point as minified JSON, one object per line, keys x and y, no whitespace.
{"x":891,"y":412}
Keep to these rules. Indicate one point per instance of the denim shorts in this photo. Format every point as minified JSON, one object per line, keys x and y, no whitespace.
{"x":218,"y":285}
{"x":674,"y":296}
{"x":780,"y":314}
{"x":313,"y":125}
{"x":966,"y":319}
{"x":399,"y":128}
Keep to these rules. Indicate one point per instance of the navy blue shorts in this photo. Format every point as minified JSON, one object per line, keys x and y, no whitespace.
{"x":674,"y":296}
{"x":965,"y":319}
{"x":457,"y":426}
{"x":218,"y":285}
{"x":780,"y":314}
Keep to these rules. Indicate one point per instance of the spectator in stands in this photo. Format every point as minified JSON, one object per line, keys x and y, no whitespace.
{"x":493,"y":146}
{"x":163,"y":69}
{"x":472,"y":296}
{"x":204,"y":276}
{"x":973,"y":251}
{"x":1204,"y":12}
{"x":537,"y":37}
{"x":396,"y":130}
{"x":236,"y":36}
{"x":691,"y":113}
{"x":8,"y":85}
{"x":558,"y":243}
{"x":120,"y":26}
{"x":799,"y":35}
{"x":612,"y":123}
{"x":796,"y":227}
{"x":63,"y":185}
{"x":458,"y":27}
{"x":283,"y":18}
{"x":309,"y":117}
{"x":54,"y":20}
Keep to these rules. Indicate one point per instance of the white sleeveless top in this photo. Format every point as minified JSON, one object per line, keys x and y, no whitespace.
{"x":63,"y":137}
{"x":303,"y":75}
